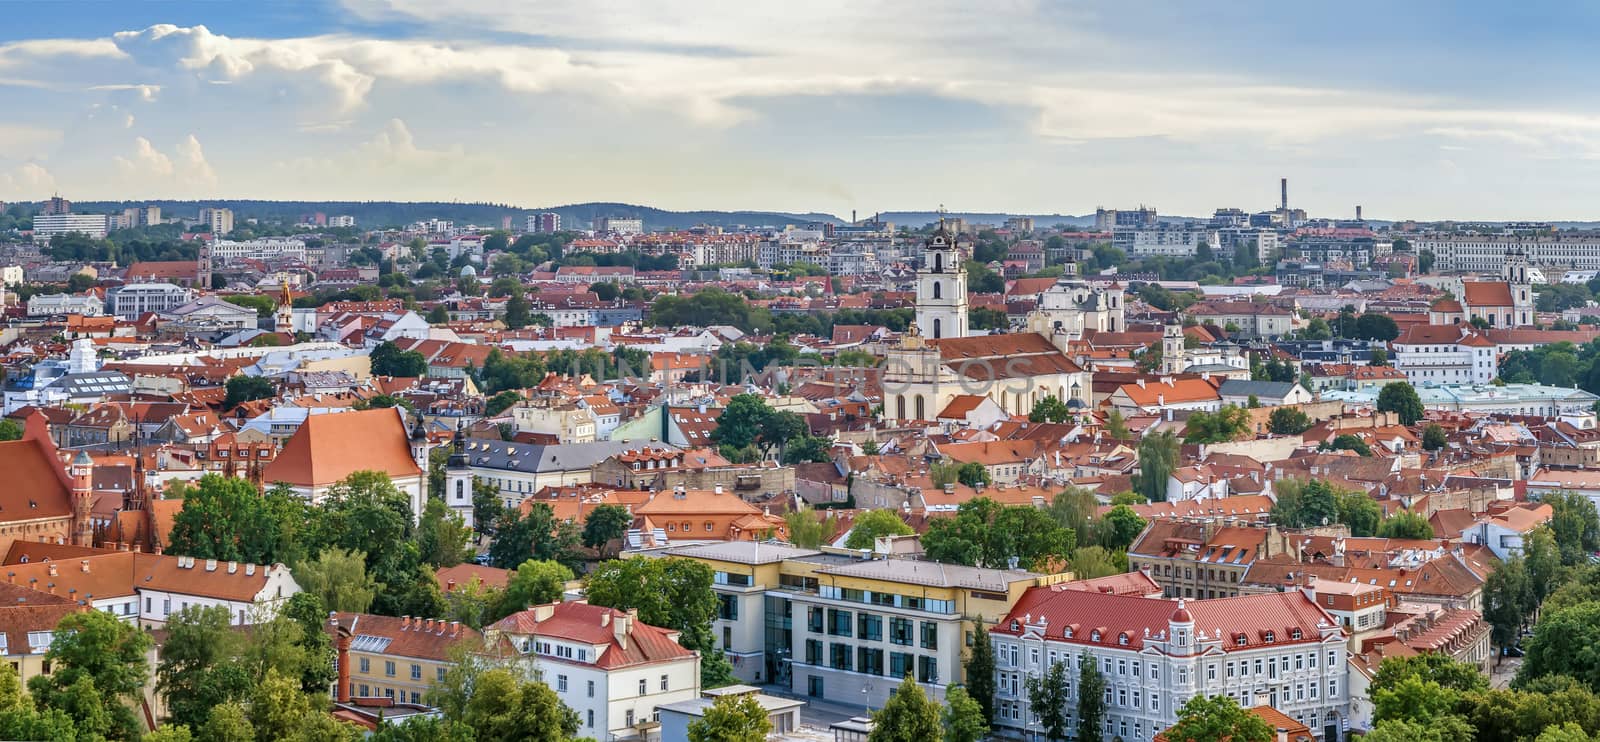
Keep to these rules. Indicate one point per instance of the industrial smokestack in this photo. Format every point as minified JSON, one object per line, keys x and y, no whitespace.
{"x":1283,"y":188}
{"x":1358,"y":212}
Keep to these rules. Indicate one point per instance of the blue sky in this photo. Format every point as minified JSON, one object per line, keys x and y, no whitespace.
{"x":1414,"y":110}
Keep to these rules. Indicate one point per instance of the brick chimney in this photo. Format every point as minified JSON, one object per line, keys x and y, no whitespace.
{"x":341,"y":693}
{"x":621,"y":626}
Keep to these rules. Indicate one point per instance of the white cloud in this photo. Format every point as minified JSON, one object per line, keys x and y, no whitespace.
{"x":27,"y":181}
{"x":185,"y":172}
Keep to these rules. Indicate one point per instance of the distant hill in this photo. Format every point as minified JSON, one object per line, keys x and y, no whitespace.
{"x":918,"y":219}
{"x":372,"y":214}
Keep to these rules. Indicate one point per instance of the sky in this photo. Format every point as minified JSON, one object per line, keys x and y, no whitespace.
{"x":1424,"y":110}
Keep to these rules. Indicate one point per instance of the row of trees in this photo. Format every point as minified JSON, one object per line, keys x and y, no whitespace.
{"x":359,"y":549}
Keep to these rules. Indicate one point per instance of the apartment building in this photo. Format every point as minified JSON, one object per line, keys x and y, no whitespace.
{"x":134,"y":300}
{"x":1202,"y":558}
{"x":265,"y":248}
{"x":835,"y":626}
{"x":606,"y":665}
{"x":1277,"y":649}
{"x":47,"y":226}
{"x":1445,"y":354}
{"x":1487,"y":253}
{"x":397,"y":658}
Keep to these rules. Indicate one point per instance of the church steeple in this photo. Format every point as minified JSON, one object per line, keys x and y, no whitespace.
{"x":941,"y":288}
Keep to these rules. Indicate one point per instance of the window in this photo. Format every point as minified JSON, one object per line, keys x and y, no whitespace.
{"x":900,"y":633}
{"x":439,"y":674}
{"x":869,"y":626}
{"x":416,"y":672}
{"x":366,"y":665}
{"x":869,"y":661}
{"x":899,"y":664}
{"x":838,"y":622}
{"x":728,"y":608}
{"x":813,"y":652}
{"x":930,"y":638}
{"x":814,"y":619}
{"x":591,"y":692}
{"x":839,"y":656}
{"x":927,"y":670}
{"x":561,"y":683}
{"x":388,"y":668}
{"x":628,"y":721}
{"x":663,"y":682}
{"x":591,"y":719}
{"x":644,"y":686}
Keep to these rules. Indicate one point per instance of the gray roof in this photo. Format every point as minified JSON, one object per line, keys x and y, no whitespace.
{"x":931,"y":574}
{"x":743,"y":552}
{"x":1262,"y":389}
{"x":533,"y":458}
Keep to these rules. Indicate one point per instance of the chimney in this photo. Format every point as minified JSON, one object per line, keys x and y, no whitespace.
{"x":717,"y":489}
{"x":455,"y":627}
{"x":233,"y":567}
{"x":342,"y":690}
{"x":1283,"y":188}
{"x":405,"y":623}
{"x":52,"y":569}
{"x":1141,"y":382}
{"x":211,"y":565}
{"x":544,"y":612}
{"x":621,"y":626}
{"x":85,"y":564}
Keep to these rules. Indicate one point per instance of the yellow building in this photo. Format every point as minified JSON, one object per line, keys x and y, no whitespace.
{"x":388,"y":657}
{"x":837,"y":625}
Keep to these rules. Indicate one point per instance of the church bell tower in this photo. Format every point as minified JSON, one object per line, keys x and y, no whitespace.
{"x":941,"y":288}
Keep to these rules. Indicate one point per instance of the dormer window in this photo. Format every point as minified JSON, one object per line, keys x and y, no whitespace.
{"x":1296,"y":634}
{"x":1016,"y":625}
{"x":1094,"y":636}
{"x":1269,"y":637}
{"x":1240,"y":640}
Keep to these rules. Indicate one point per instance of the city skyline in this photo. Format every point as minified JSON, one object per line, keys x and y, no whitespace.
{"x":1423,"y":112}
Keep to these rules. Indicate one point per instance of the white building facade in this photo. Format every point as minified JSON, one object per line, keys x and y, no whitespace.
{"x":1276,"y":649}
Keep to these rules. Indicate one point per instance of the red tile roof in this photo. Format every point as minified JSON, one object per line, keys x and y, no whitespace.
{"x":1486,"y":293}
{"x":593,"y":624}
{"x":1116,"y":617}
{"x":330,"y":447}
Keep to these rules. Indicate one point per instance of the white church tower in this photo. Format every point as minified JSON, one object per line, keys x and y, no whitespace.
{"x":1515,"y":273}
{"x":941,"y":289}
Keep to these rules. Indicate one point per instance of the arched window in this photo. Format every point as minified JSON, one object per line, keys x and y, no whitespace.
{"x":900,"y":407}
{"x":937,"y":290}
{"x":461,"y":488}
{"x":921,"y":412}
{"x":938,"y":262}
{"x":936,"y":326}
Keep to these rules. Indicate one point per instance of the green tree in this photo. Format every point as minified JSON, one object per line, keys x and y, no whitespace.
{"x":442,"y":535}
{"x":908,"y":716}
{"x":1378,"y":357}
{"x":501,"y":402}
{"x":226,"y":519}
{"x":241,"y":389}
{"x":1226,"y":424}
{"x":871,"y":525}
{"x":10,"y":430}
{"x":1089,"y":562}
{"x":503,"y":709}
{"x":1350,"y":442}
{"x":519,"y":311}
{"x":99,"y":669}
{"x":388,"y":360}
{"x":339,"y":578}
{"x":1217,"y":719}
{"x":1117,"y":426}
{"x":964,"y":720}
{"x":1288,"y":421}
{"x":809,"y":528}
{"x":537,"y":535}
{"x":1049,"y":409}
{"x":1401,"y":398}
{"x":741,"y":421}
{"x":731,"y":718}
{"x":1158,"y":457}
{"x":198,"y":671}
{"x":1374,"y":326}
{"x":985,"y":533}
{"x":1047,"y":695}
{"x":1506,"y":594}
{"x":1433,"y":437}
{"x":1303,"y":504}
{"x":280,"y":710}
{"x":972,"y":474}
{"x":605,"y":524}
{"x":20,"y":719}
{"x":980,"y":672}
{"x":1360,"y":512}
{"x":1405,"y":525}
{"x":1119,"y":527}
{"x":1575,"y":525}
{"x":438,"y":315}
{"x":533,"y":583}
{"x":423,"y":729}
{"x":1091,"y":699}
{"x":1563,"y":643}
{"x":673,"y":593}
